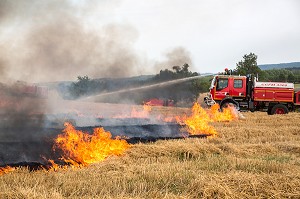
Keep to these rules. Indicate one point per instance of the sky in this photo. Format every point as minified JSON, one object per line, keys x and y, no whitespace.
{"x":217,"y":33}
{"x":60,"y":39}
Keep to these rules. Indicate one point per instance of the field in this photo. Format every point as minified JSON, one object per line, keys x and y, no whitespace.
{"x":258,"y":157}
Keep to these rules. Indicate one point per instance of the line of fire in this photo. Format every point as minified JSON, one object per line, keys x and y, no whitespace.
{"x":77,"y":133}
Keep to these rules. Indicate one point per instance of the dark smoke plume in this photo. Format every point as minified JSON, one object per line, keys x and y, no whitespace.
{"x":21,"y":126}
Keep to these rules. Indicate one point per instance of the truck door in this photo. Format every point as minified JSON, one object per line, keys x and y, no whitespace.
{"x":237,"y":87}
{"x":222,"y":89}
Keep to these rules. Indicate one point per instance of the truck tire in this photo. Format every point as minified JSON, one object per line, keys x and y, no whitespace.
{"x":279,"y":109}
{"x":229,"y":104}
{"x":269,"y":110}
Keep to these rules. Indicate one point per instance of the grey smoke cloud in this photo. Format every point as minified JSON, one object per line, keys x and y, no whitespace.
{"x":174,"y":57}
{"x":55,"y":43}
{"x":62,"y":39}
{"x":72,"y":51}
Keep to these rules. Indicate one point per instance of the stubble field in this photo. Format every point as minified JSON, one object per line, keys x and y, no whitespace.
{"x":258,"y":157}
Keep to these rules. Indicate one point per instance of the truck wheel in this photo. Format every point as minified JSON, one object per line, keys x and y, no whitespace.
{"x":279,"y":109}
{"x":269,"y":110}
{"x":229,"y":104}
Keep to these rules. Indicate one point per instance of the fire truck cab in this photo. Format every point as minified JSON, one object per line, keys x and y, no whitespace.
{"x":245,"y":93}
{"x":233,"y":87}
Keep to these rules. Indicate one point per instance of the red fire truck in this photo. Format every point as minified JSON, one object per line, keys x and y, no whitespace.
{"x":30,"y":90}
{"x":246,"y":93}
{"x":159,"y":102}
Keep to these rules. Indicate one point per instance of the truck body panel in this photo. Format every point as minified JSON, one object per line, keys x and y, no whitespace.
{"x":297,"y":98}
{"x":273,"y":94}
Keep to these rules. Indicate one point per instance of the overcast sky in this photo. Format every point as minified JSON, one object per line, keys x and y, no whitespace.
{"x":41,"y":36}
{"x":217,"y":33}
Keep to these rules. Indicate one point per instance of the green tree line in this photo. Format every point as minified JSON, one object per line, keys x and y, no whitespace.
{"x":249,"y":66}
{"x":187,"y":91}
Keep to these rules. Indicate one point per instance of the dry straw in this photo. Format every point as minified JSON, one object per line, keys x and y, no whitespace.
{"x":253,"y":158}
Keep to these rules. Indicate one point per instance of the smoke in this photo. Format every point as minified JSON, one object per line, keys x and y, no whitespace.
{"x":2,"y":69}
{"x":72,"y":51}
{"x":175,"y":57}
{"x":21,"y":127}
{"x":52,"y":40}
{"x":4,"y":9}
{"x":47,"y":41}
{"x":62,"y":39}
{"x":22,"y":114}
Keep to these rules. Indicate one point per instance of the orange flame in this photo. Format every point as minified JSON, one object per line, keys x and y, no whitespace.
{"x":7,"y":169}
{"x":197,"y":123}
{"x":54,"y":166}
{"x":80,"y":148}
{"x":200,"y":119}
{"x":227,"y":114}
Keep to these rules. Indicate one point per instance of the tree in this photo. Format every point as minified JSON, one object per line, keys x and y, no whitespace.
{"x":177,"y":73}
{"x":282,"y":77}
{"x":83,"y":86}
{"x":183,"y":92}
{"x":200,"y":85}
{"x":176,"y":69}
{"x":248,"y":65}
{"x":291,"y":77}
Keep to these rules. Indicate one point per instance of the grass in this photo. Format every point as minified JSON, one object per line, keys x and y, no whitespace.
{"x":258,"y":157}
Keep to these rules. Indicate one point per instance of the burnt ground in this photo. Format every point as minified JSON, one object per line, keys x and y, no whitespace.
{"x":28,"y":127}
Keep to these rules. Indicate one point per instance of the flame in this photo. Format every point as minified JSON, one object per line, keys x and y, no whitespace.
{"x":7,"y":169}
{"x":198,"y":122}
{"x":54,"y":166}
{"x":227,"y":114}
{"x":136,"y":113}
{"x":200,"y":119}
{"x":81,"y":148}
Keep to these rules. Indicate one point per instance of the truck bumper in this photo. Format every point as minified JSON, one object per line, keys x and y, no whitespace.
{"x":209,"y":100}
